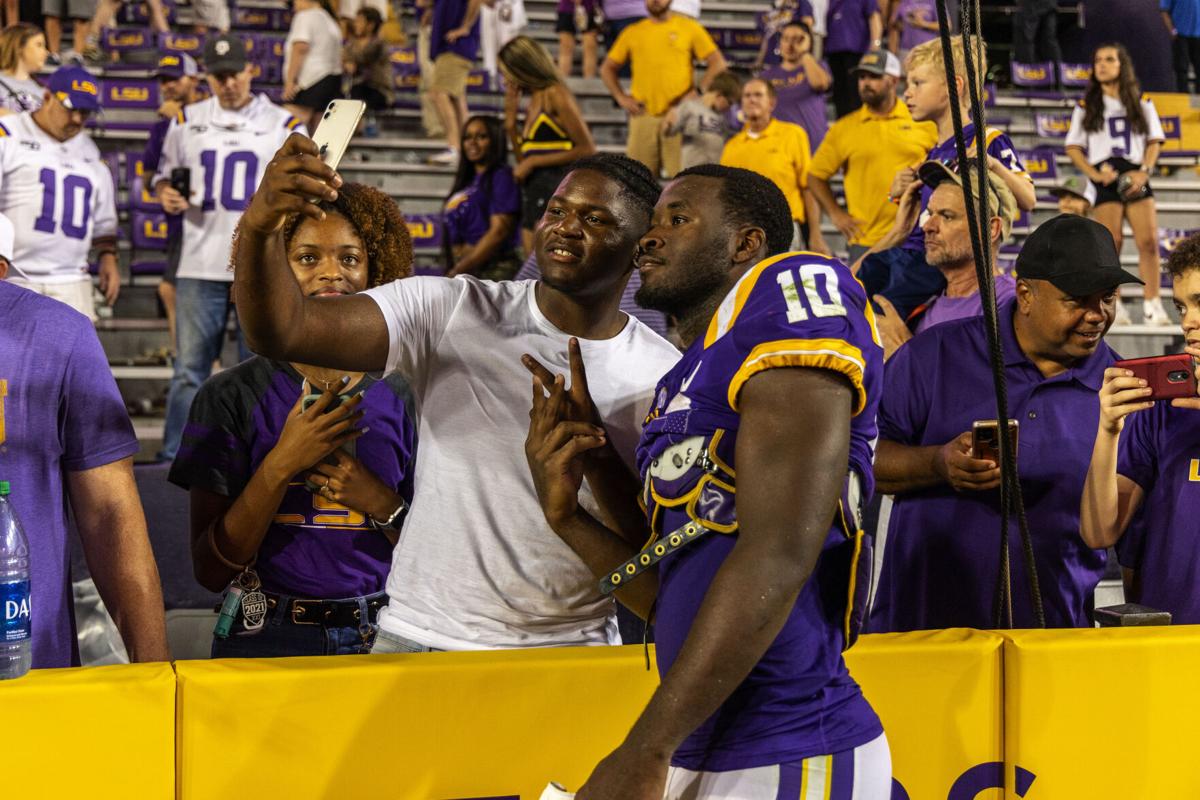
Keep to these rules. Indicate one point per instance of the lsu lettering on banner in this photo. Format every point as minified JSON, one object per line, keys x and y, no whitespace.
{"x":1033,"y":76}
{"x":1053,"y":125}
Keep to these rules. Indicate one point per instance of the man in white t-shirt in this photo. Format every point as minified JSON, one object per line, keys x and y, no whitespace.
{"x":477,"y":566}
{"x":59,"y":195}
{"x":221,"y":145}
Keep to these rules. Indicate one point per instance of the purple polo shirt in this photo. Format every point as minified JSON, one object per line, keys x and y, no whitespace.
{"x":847,"y":22}
{"x":448,"y":15}
{"x":946,"y":309}
{"x":999,"y":146}
{"x":941,"y":558}
{"x":1160,"y":451}
{"x":62,"y":413}
{"x":314,"y":548}
{"x":468,"y":212}
{"x":798,"y":103}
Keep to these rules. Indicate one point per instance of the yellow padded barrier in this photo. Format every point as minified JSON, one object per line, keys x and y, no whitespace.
{"x":940,"y":697}
{"x":1109,"y":713}
{"x":102,"y":733}
{"x":432,"y":725}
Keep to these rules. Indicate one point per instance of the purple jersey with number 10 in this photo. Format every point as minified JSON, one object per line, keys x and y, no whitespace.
{"x":794,"y":310}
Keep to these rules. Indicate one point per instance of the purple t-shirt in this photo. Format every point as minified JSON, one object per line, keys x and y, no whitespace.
{"x":654,"y":320}
{"x":941,"y":559}
{"x":848,"y":25}
{"x":799,"y":700}
{"x":772,"y":22}
{"x":61,"y":413}
{"x":315,"y":548}
{"x":624,"y":9}
{"x":1159,"y":450}
{"x":923,"y":10}
{"x":798,"y":103}
{"x":448,"y":15}
{"x":946,"y":309}
{"x":999,"y":146}
{"x":467,"y":215}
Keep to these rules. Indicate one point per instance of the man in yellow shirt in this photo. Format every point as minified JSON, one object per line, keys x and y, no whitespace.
{"x":660,"y":49}
{"x":870,"y":145}
{"x":779,"y":151}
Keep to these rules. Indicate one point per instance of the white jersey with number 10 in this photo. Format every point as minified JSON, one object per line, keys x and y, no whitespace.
{"x":225,"y":153}
{"x":59,"y":195}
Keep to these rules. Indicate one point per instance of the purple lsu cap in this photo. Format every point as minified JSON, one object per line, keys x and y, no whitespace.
{"x":177,"y":65}
{"x":76,"y":88}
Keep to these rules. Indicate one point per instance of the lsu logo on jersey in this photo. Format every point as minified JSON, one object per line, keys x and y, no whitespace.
{"x":1193,"y":465}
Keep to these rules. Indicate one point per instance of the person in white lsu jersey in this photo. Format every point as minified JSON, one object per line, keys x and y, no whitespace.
{"x":224,"y":143}
{"x":59,"y":195}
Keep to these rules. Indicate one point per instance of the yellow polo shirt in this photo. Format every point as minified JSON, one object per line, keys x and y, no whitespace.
{"x":871,"y":150}
{"x":779,"y":152}
{"x":662,"y":55}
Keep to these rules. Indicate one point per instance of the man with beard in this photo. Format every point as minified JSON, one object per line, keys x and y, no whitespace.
{"x":948,"y":248}
{"x":749,"y":574}
{"x":941,"y":556}
{"x":477,"y":566}
{"x":869,"y":145}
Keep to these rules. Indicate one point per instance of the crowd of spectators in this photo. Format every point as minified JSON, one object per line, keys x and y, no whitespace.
{"x":365,"y":481}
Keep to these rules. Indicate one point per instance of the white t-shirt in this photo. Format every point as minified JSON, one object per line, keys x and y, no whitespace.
{"x":324,"y":37}
{"x":58,"y":195}
{"x":1116,"y":138}
{"x":477,"y":567}
{"x":226,"y":152}
{"x":689,"y":8}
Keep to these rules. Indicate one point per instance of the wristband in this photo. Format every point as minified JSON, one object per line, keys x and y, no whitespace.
{"x":390,"y":522}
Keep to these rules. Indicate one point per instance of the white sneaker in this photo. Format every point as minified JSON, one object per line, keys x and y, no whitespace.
{"x":1121,"y":316}
{"x":1153,"y":313}
{"x":448,"y":157}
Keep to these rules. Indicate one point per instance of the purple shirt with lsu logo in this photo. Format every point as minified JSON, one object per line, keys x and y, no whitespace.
{"x":799,"y":701}
{"x":798,"y":103}
{"x":1159,"y":450}
{"x":315,"y":548}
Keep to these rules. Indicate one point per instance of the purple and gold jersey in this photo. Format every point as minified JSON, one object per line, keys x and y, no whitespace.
{"x":793,"y":310}
{"x":315,"y":548}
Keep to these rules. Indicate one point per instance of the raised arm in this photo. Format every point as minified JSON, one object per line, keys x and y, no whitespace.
{"x":756,"y":587}
{"x":1110,"y":499}
{"x":279,"y":322}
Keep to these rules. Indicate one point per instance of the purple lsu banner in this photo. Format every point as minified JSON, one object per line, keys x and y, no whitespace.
{"x":129,"y":93}
{"x":425,"y":230}
{"x":1053,"y":124}
{"x":1075,"y":76}
{"x":149,"y":229}
{"x":404,"y":60}
{"x":1171,"y":127}
{"x":124,"y":40}
{"x":139,"y":13}
{"x":141,"y":194}
{"x":1040,"y":163}
{"x":190,"y":43}
{"x":1033,"y":76}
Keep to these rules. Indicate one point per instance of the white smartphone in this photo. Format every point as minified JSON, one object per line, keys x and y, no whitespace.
{"x":336,"y":128}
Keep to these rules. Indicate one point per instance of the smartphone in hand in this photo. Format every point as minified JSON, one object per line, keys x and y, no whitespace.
{"x":985,"y":439}
{"x":337,"y":127}
{"x":1167,"y":376}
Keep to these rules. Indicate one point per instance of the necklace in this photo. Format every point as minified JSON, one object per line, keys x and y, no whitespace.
{"x":327,"y":384}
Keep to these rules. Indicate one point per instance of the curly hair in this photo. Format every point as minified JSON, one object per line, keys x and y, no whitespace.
{"x":750,"y":199}
{"x":638,"y":184}
{"x":1185,"y":256}
{"x":378,"y":221}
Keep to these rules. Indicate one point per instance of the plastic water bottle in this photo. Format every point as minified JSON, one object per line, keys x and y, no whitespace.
{"x":16,"y":645}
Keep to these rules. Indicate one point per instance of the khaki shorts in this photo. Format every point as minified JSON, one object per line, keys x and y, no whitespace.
{"x":647,"y":144}
{"x":450,"y":74}
{"x":77,"y":294}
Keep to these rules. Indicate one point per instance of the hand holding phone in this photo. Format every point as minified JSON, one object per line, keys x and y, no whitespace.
{"x":337,"y":127}
{"x":1167,"y":377}
{"x":985,"y":439}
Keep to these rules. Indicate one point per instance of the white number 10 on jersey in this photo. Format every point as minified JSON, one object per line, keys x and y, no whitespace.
{"x":827,"y":303}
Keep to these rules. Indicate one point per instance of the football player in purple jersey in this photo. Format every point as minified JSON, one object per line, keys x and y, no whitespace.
{"x":755,"y":456}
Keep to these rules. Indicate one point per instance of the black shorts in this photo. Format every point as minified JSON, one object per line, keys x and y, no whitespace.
{"x":375,"y":99}
{"x":536,"y":192}
{"x":320,"y":94}
{"x":566,"y":23}
{"x":1109,"y":193}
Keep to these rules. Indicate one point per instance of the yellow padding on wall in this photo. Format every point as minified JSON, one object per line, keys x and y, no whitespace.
{"x":103,"y":733}
{"x":428,"y":726}
{"x":939,"y":695}
{"x":1110,"y":713}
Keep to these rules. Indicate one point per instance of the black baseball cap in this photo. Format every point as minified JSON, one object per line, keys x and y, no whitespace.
{"x":224,"y":54}
{"x":1075,"y":254}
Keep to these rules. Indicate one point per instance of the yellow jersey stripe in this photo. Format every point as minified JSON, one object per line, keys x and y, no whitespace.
{"x":836,"y":355}
{"x":4,"y":132}
{"x":291,"y":123}
{"x":731,"y":306}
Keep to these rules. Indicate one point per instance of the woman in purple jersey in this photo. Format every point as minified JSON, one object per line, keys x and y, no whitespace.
{"x":298,"y":503}
{"x":800,"y":81}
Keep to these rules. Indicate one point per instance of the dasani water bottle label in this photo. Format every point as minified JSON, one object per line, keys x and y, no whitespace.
{"x":14,"y":601}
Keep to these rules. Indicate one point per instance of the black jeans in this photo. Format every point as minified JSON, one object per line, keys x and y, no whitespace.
{"x":845,"y":82}
{"x":1035,"y":32}
{"x":1185,"y":52}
